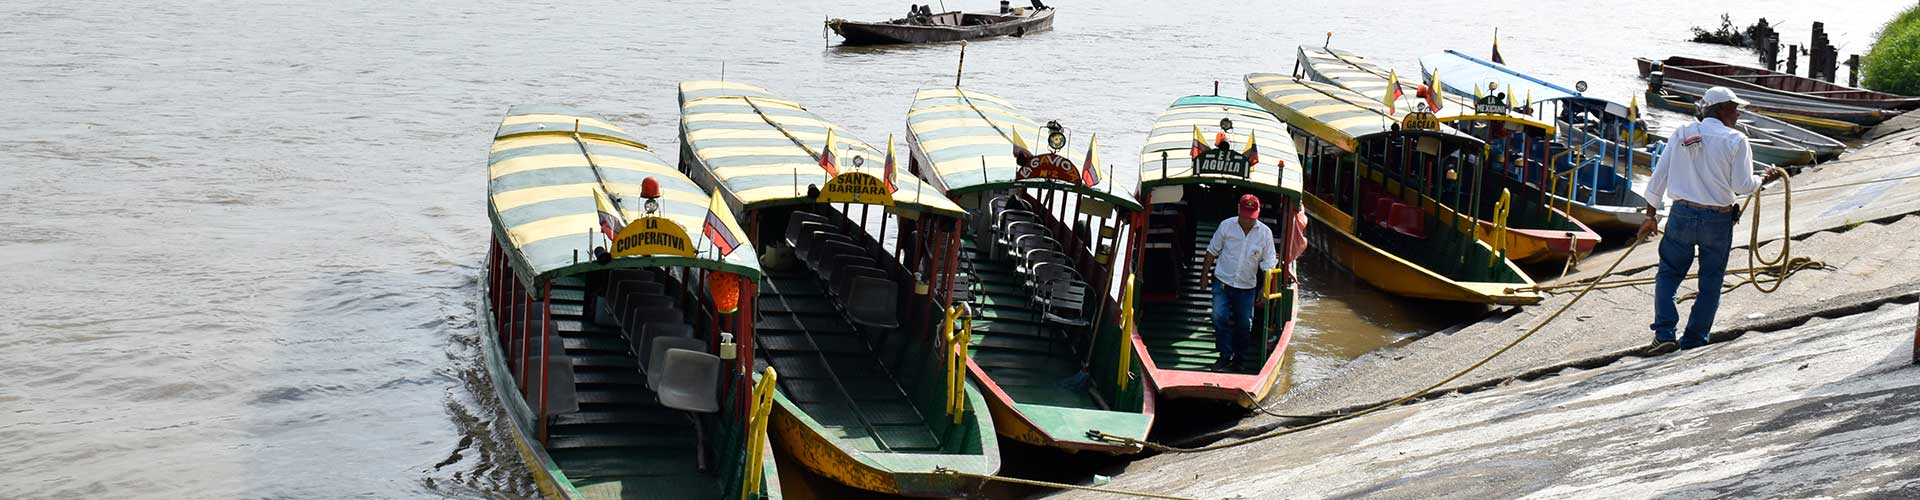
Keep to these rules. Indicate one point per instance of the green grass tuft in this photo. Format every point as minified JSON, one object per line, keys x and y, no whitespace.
{"x":1893,"y":65}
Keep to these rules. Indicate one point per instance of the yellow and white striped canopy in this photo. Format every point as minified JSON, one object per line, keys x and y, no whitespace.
{"x":1172,"y":135}
{"x":762,"y":150}
{"x":1336,"y":115}
{"x":964,"y":142}
{"x":1353,"y":72}
{"x":545,"y":164}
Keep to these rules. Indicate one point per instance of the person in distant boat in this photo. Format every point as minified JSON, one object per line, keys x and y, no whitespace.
{"x":1704,"y":167}
{"x":1243,"y":248}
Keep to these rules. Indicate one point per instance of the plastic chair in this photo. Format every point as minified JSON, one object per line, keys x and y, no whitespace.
{"x":657,"y":355}
{"x":690,"y":381}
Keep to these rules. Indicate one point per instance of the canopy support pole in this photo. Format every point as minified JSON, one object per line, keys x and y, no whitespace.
{"x":546,"y":304}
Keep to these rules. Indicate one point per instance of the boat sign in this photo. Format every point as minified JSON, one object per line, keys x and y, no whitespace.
{"x":1494,"y":104}
{"x":1222,"y":161}
{"x":1048,"y":166}
{"x":1420,"y":120}
{"x":652,"y":235}
{"x":855,"y":187}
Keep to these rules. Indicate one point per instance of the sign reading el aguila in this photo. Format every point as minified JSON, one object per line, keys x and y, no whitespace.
{"x":652,"y":236}
{"x":855,"y":187}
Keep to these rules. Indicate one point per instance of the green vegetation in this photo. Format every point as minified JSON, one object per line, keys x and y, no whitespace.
{"x":1893,"y":65}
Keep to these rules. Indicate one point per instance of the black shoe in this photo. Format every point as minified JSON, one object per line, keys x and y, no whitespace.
{"x":1237,"y":366}
{"x":1661,"y":347}
{"x":1222,"y":365}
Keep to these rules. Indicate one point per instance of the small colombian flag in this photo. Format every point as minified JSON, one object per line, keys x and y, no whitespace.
{"x":716,"y":229}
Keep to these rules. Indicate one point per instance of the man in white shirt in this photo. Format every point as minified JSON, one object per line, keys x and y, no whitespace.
{"x":1244,"y":249}
{"x":1704,"y":167}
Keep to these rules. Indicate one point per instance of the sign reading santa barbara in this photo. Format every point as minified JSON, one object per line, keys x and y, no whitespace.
{"x":652,"y":235}
{"x":855,"y":187}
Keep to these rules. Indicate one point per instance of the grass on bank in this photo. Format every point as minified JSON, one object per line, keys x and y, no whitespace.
{"x":1893,"y":65}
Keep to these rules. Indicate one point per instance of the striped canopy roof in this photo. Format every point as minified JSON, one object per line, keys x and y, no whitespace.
{"x":1336,"y":115}
{"x":1279,"y":165}
{"x":1352,"y":72}
{"x":764,"y":150}
{"x":541,"y":196}
{"x":964,"y":140}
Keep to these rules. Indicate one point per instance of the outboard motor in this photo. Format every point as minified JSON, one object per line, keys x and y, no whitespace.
{"x":1006,"y":6}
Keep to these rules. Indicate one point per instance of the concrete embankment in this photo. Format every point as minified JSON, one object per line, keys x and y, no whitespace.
{"x":1848,"y":215}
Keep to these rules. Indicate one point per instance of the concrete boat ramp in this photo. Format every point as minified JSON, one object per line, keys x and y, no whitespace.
{"x":1806,"y":392}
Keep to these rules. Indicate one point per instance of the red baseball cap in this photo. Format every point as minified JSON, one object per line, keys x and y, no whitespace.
{"x":1249,"y":206}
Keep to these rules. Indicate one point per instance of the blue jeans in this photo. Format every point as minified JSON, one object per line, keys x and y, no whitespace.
{"x":1235,"y":305}
{"x":1690,"y":229}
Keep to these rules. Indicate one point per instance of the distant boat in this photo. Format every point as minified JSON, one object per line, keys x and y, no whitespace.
{"x":1774,"y":141}
{"x":1750,"y":78}
{"x":1778,"y":104}
{"x":925,"y":26}
{"x":1661,"y":96}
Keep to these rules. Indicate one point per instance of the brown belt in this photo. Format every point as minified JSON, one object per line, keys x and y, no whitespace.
{"x":1703,"y":206}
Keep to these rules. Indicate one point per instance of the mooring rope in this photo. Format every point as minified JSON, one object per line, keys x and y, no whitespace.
{"x":1779,"y":268}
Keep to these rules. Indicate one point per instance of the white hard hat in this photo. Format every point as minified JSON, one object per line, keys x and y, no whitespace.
{"x":1719,"y":95}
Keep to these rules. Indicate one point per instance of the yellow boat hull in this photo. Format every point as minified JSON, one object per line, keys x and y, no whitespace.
{"x":1395,"y":275}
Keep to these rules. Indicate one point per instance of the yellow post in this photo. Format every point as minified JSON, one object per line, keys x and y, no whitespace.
{"x":757,"y":433}
{"x":959,"y":334}
{"x":1499,"y":234}
{"x":1126,"y":335}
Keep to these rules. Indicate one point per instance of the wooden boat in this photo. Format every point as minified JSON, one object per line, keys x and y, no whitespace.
{"x":1798,"y":128}
{"x":946,"y":26}
{"x":1537,"y":231}
{"x":1048,"y":348}
{"x":1189,"y":197}
{"x":1743,"y":78}
{"x":1604,"y":141}
{"x":1778,"y":105}
{"x":1766,"y":133}
{"x":584,"y":270}
{"x":1375,"y":208}
{"x":862,"y":397}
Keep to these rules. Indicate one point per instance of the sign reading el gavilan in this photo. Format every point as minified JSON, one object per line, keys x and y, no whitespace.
{"x":855,"y":187}
{"x":1048,"y":166}
{"x":652,"y":235}
{"x":1222,"y":161}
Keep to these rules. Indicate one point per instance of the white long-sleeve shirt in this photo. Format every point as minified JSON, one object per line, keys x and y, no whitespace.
{"x":1236,"y":253}
{"x":1705,"y":162}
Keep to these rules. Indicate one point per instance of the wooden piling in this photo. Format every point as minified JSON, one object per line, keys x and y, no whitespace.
{"x":1916,"y":338}
{"x":1853,"y":70}
{"x":1793,"y":59}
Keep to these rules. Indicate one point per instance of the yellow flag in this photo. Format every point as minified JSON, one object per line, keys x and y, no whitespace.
{"x":1438,"y":92}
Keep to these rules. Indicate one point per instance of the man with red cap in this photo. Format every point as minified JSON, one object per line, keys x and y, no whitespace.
{"x":1243,"y":248}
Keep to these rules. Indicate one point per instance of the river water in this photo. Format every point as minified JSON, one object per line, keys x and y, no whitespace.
{"x":241,"y":239}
